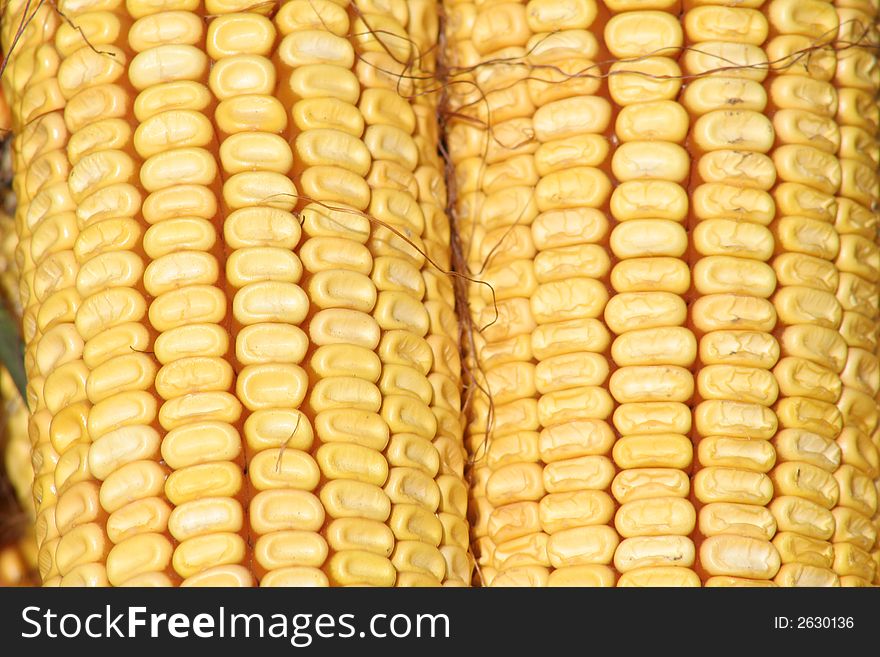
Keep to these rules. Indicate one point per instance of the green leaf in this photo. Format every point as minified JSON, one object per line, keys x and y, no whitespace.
{"x":11,"y":350}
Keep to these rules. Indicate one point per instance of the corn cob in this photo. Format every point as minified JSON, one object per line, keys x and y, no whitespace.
{"x":48,"y":295}
{"x":858,"y":262}
{"x":744,"y":154}
{"x":17,"y":547}
{"x":195,"y":315}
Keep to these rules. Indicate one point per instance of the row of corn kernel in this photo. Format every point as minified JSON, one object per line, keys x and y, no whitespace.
{"x":385,"y":53}
{"x":805,"y":108}
{"x":352,"y":291}
{"x":398,"y":43}
{"x":93,"y":83}
{"x":16,"y":79}
{"x":333,"y":161}
{"x":507,"y":184}
{"x":378,"y":547}
{"x":57,"y":350}
{"x":92,"y":79}
{"x":44,"y":202}
{"x":325,"y":132}
{"x":485,"y":205}
{"x":731,"y":208}
{"x":262,"y":275}
{"x":18,"y":558}
{"x":128,"y":459}
{"x":653,"y":349}
{"x":569,"y":343}
{"x":413,"y":80}
{"x":462,"y":142}
{"x":534,"y":227}
{"x":858,"y":262}
{"x":429,"y":186}
{"x":813,"y":353}
{"x":288,"y":550}
{"x":201,"y":446}
{"x":78,"y":515}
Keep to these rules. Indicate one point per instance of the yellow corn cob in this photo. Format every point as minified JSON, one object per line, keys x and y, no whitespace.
{"x":723,"y":202}
{"x":194,"y":334}
{"x":41,"y":169}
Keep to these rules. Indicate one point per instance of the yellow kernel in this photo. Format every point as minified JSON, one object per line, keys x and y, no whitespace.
{"x":263,"y":151}
{"x":200,"y":442}
{"x":250,"y":113}
{"x":133,"y":481}
{"x":290,"y":548}
{"x":283,"y":468}
{"x":238,"y":34}
{"x":199,"y":553}
{"x":182,"y":94}
{"x":653,"y":551}
{"x":138,"y":555}
{"x":640,"y":33}
{"x":205,"y":516}
{"x":747,"y":520}
{"x":192,"y":233}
